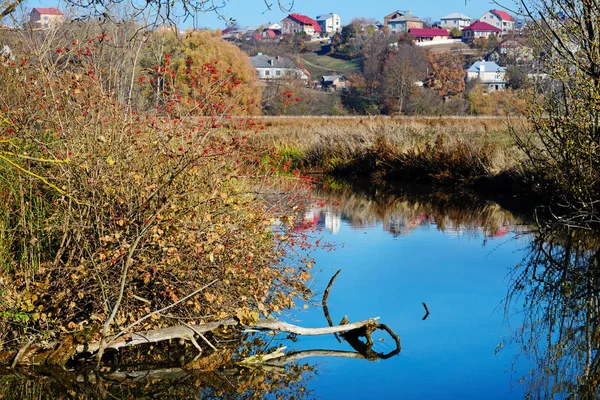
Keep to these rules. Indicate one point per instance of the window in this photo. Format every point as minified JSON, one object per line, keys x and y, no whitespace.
{"x":267,"y":73}
{"x":278,"y":72}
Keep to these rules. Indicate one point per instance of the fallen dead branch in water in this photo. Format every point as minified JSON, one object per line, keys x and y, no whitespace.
{"x":39,"y":354}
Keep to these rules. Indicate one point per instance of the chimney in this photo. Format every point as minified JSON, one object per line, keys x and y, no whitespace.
{"x":481,"y":71}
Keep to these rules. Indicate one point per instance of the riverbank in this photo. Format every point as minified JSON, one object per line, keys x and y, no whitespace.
{"x":465,"y":152}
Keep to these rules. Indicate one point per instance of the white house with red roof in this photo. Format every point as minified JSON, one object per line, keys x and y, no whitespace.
{"x":429,"y":35}
{"x":298,"y":23}
{"x":500,"y":19}
{"x":479,"y":29}
{"x":45,"y":17}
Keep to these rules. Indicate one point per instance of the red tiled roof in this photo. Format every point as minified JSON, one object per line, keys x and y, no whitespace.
{"x":423,"y":32}
{"x":482,"y":27}
{"x":306,"y":21}
{"x":257,"y":36}
{"x":227,"y":30}
{"x":48,"y":11}
{"x":504,"y":16}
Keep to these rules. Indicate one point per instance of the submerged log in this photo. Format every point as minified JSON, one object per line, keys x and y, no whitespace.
{"x":60,"y":353}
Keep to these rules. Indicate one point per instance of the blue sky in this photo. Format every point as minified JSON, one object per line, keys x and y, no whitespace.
{"x":255,"y":12}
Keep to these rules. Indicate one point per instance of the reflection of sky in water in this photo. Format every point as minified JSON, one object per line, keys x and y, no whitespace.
{"x":451,"y":355}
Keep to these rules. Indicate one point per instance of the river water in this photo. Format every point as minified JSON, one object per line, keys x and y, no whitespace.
{"x":512,"y":311}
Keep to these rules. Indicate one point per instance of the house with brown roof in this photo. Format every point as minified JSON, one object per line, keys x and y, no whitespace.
{"x":429,"y":35}
{"x":297,"y":23}
{"x":45,"y":17}
{"x":479,"y":29}
{"x":402,"y":23}
{"x":500,"y":19}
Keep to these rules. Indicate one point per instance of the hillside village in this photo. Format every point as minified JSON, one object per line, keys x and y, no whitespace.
{"x":492,"y":52}
{"x":456,"y":65}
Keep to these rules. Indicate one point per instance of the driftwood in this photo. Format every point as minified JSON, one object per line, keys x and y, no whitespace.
{"x":36,"y":355}
{"x":324,"y":302}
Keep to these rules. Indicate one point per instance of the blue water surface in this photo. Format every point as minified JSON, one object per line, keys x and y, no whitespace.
{"x":462,"y":276}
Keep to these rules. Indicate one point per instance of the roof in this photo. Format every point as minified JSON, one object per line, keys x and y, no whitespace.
{"x":331,"y":78}
{"x":397,"y":12}
{"x":272,"y":33}
{"x":503,"y":15}
{"x":47,"y":11}
{"x":325,"y":17}
{"x":306,"y":21}
{"x":489,"y":66}
{"x":226,"y":31}
{"x":421,"y":33}
{"x":456,"y":15}
{"x":482,"y":26}
{"x":402,"y":18}
{"x":257,"y":36}
{"x":263,"y":61}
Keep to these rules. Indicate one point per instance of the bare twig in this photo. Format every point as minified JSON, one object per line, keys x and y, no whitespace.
{"x":426,"y":311}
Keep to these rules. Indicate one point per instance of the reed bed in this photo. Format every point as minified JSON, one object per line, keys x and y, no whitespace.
{"x":410,"y":148}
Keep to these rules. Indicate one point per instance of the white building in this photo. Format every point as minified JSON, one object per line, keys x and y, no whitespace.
{"x":330,"y":23}
{"x":455,"y":20}
{"x":270,"y":68}
{"x":499,"y":19}
{"x":492,"y":76}
{"x":45,"y":17}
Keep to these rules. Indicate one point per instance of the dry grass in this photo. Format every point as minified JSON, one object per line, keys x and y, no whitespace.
{"x":436,"y":146}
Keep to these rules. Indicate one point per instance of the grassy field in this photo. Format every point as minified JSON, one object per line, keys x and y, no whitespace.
{"x":326,"y":65}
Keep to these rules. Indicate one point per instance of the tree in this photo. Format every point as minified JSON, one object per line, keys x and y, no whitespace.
{"x":455,"y":32}
{"x":447,"y":76}
{"x":402,"y":68}
{"x":564,"y":154}
{"x":189,"y":57}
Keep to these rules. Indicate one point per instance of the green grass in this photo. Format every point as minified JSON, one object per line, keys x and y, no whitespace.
{"x":325,"y":65}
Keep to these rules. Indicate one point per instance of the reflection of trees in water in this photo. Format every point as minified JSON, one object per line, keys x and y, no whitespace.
{"x":402,"y":212}
{"x":217,"y":378}
{"x":165,"y":383}
{"x":559,"y":284}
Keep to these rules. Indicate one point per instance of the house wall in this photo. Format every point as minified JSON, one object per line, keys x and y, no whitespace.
{"x":280,"y":73}
{"x":404,"y":26}
{"x":486,"y":76}
{"x":44,"y":21}
{"x":492,"y":19}
{"x":471,"y":35}
{"x":491,"y":81}
{"x":332,"y":24}
{"x":289,"y":25}
{"x":387,"y":18}
{"x":431,"y":38}
{"x":455,"y":23}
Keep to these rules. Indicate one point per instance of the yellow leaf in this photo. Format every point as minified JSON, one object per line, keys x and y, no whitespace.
{"x":110,"y":161}
{"x":305,"y":306}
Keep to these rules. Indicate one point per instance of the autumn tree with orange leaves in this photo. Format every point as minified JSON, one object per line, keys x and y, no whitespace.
{"x":447,"y":76}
